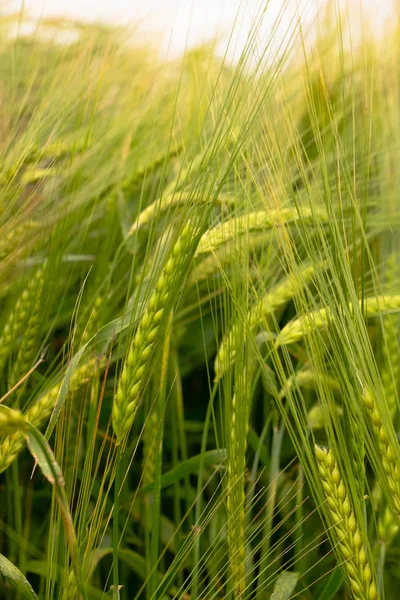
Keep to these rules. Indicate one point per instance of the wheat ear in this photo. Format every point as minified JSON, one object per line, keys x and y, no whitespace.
{"x":297,"y":329}
{"x":349,"y":543}
{"x":278,"y":297}
{"x":259,"y":220}
{"x":141,"y":351}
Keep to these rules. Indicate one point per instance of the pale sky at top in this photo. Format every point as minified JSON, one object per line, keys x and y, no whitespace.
{"x":176,"y":23}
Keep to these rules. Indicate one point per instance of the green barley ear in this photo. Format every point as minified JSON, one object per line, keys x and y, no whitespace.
{"x":11,"y":421}
{"x":386,"y":438}
{"x":387,"y":526}
{"x":211,"y":264}
{"x":308,"y":377}
{"x":299,"y":328}
{"x":15,"y":241}
{"x":255,"y":221}
{"x":348,"y":539}
{"x":390,"y":371}
{"x":146,"y":217}
{"x":138,"y":361}
{"x":20,"y":318}
{"x":71,"y":589}
{"x":28,"y":346}
{"x":277,"y":298}
{"x":39,"y":413}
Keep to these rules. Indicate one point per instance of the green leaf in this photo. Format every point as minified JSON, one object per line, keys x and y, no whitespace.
{"x":333,"y":585}
{"x":284,"y":585}
{"x":43,"y":455}
{"x":189,"y":466}
{"x":16,"y":579}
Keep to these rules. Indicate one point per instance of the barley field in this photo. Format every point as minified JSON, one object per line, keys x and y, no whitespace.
{"x":199,"y":315}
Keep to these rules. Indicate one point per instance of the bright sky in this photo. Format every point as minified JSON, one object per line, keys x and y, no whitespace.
{"x":179,"y":22}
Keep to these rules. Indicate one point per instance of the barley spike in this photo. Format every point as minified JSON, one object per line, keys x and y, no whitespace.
{"x":348,"y":538}
{"x":278,"y":297}
{"x":259,"y":220}
{"x":385,"y":436}
{"x":297,"y":329}
{"x":138,"y":360}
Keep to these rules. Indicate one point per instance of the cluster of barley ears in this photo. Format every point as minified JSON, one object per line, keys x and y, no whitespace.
{"x":199,"y":272}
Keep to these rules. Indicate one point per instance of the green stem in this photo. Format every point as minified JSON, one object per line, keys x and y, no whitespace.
{"x":156,"y":495}
{"x":298,"y":533}
{"x":198,"y":507}
{"x":115,"y":535}
{"x":17,"y":515}
{"x":277,"y":438}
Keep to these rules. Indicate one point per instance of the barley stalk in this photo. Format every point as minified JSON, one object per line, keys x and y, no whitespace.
{"x":235,"y":500}
{"x":388,"y":447}
{"x":278,"y":297}
{"x":39,"y":413}
{"x":349,"y":544}
{"x":138,"y":360}
{"x":297,"y":329}
{"x":259,"y":220}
